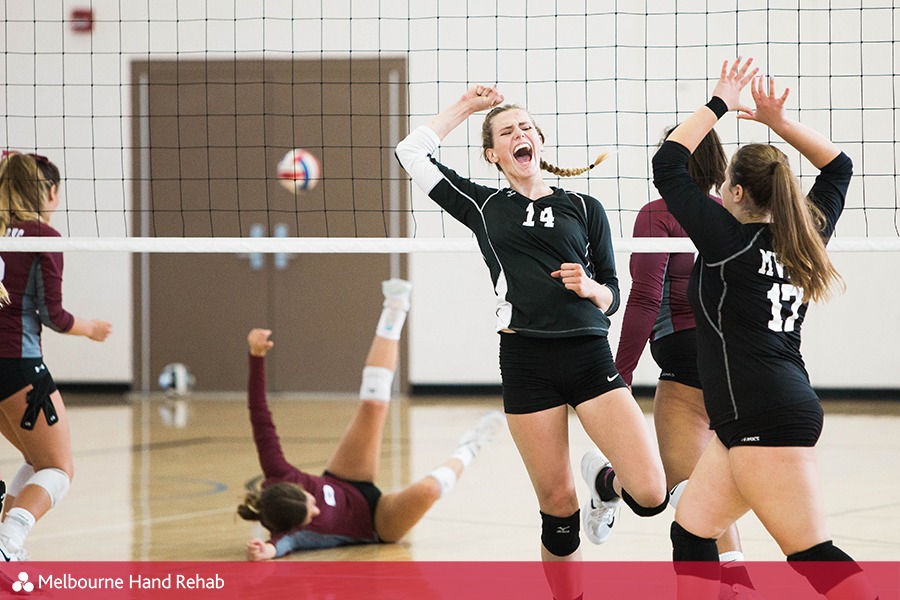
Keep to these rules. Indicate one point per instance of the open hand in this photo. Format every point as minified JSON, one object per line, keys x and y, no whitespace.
{"x":732,"y":81}
{"x":769,"y":106}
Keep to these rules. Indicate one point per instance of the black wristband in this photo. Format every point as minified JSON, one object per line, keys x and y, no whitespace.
{"x":718,"y":106}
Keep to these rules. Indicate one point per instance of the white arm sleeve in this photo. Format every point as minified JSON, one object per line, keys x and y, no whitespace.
{"x":414,"y":154}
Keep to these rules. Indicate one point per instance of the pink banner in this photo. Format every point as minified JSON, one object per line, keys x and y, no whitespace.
{"x":392,"y":580}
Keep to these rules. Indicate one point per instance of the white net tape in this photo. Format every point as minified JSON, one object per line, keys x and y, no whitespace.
{"x":357,"y":245}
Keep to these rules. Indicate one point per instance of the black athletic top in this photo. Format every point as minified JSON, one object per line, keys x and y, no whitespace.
{"x":748,"y":314}
{"x":522,"y":242}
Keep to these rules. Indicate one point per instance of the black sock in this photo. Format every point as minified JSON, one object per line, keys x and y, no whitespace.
{"x":604,"y":484}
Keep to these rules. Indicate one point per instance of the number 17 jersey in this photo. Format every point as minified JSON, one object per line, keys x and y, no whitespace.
{"x":749,"y":314}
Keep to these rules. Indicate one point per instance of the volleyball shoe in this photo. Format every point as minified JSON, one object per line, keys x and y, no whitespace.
{"x":597,"y":515}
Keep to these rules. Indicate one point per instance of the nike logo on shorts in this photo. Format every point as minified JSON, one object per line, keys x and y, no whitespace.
{"x":610,"y":379}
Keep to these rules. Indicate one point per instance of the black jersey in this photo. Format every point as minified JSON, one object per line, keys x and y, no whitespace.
{"x":522,"y":242}
{"x":748,"y":313}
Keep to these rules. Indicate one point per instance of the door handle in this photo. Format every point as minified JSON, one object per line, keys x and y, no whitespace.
{"x":281,"y":258}
{"x":257,"y":259}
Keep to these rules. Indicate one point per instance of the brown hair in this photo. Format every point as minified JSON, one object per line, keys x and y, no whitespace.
{"x":47,"y":168}
{"x":708,"y":163}
{"x":487,"y":141}
{"x":23,"y":190}
{"x":797,"y":224}
{"x":25,"y":183}
{"x":279,"y":507}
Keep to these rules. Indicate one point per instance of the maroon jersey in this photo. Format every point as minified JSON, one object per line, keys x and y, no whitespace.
{"x":345,"y":516}
{"x":34,"y":283}
{"x":657,"y":304}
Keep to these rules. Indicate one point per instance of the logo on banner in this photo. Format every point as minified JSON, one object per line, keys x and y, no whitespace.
{"x":22,"y":584}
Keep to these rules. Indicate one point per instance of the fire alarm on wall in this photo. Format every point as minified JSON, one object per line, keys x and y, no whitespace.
{"x":82,"y":20}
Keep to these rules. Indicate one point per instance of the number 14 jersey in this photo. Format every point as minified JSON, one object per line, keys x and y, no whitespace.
{"x":522,"y":242}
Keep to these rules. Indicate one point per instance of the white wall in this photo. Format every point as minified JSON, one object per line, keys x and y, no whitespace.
{"x":96,"y":286}
{"x":593,"y":81}
{"x":846,"y":342}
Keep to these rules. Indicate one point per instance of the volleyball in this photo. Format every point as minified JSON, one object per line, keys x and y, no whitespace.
{"x":177,"y":380}
{"x":298,"y":171}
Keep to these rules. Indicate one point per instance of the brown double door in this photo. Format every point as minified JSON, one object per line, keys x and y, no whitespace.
{"x":208,"y":136}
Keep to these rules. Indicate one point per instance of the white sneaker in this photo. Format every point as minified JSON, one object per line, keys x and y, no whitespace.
{"x":483,"y":432}
{"x":9,"y":556}
{"x":396,"y":293}
{"x":675,"y":494}
{"x":597,"y":515}
{"x":22,"y":555}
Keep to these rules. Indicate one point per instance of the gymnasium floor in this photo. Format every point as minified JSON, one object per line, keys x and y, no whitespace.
{"x":148,"y":490}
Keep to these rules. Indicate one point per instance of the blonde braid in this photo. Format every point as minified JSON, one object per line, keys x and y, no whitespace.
{"x":572,"y":172}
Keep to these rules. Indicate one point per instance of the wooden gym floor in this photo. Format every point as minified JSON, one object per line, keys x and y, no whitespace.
{"x":146,"y":488}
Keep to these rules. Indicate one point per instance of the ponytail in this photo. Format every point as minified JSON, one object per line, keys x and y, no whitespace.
{"x":797,"y":224}
{"x":249,"y":508}
{"x":23,"y":190}
{"x":487,"y":141}
{"x":560,"y":172}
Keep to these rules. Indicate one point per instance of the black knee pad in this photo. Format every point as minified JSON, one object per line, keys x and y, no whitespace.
{"x":560,"y":534}
{"x":694,"y":555}
{"x":643,"y":511}
{"x":824,"y":577}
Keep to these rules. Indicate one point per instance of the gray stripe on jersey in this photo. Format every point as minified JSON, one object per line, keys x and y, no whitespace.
{"x":589,"y":264}
{"x":717,"y":325}
{"x":739,"y":252}
{"x":31,"y":325}
{"x":312,"y":540}
{"x":504,"y":308}
{"x":664,"y":325}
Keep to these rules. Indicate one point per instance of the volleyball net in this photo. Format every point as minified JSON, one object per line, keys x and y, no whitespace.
{"x":168,"y":120}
